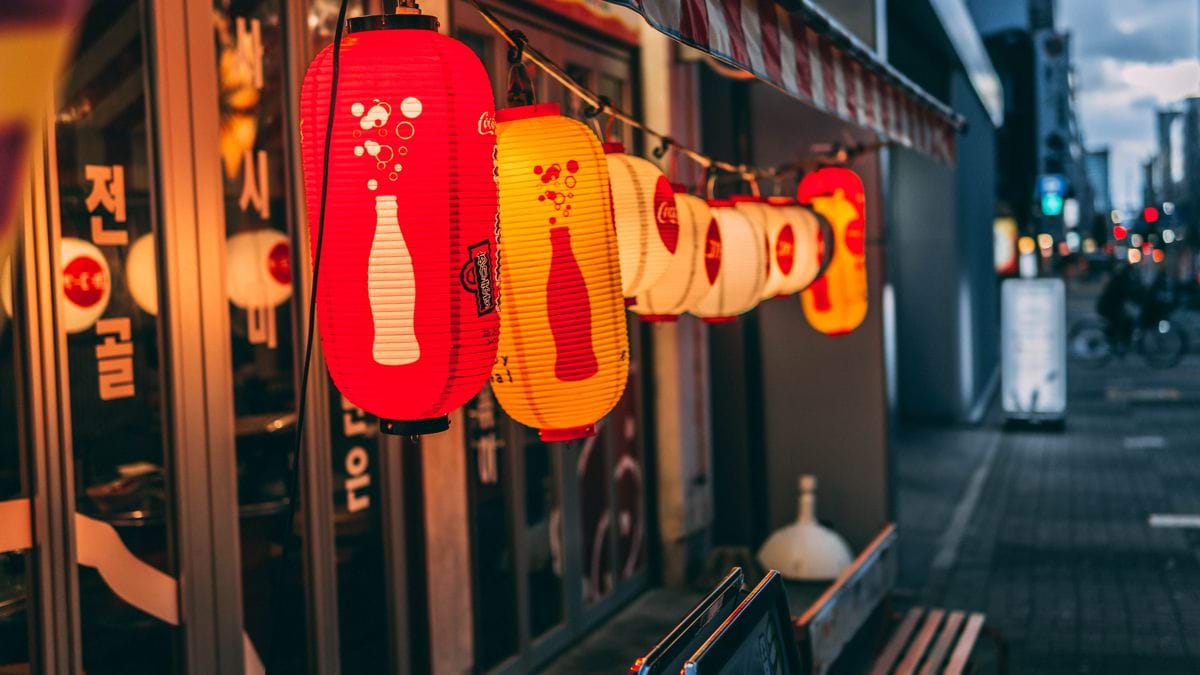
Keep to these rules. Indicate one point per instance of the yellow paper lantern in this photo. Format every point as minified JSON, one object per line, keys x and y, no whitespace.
{"x":795,"y":240}
{"x":694,"y":267}
{"x":647,"y":222}
{"x":564,"y":356}
{"x":743,"y":272}
{"x":836,"y":303}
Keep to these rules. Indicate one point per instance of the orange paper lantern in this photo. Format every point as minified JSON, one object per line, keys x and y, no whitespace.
{"x":564,"y":355}
{"x":836,"y":303}
{"x":694,"y":267}
{"x":743,"y":269}
{"x":407,"y":291}
{"x":646,"y":219}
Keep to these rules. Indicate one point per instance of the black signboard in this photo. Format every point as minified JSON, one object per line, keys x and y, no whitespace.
{"x":756,"y":638}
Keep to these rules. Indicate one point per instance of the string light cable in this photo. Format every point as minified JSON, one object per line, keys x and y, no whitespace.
{"x":521,"y":50}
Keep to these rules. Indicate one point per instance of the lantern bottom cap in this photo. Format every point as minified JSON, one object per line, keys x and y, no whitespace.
{"x":630,"y":302}
{"x":781,"y":296}
{"x":720,"y":319}
{"x":567,"y":434}
{"x":432,"y":425}
{"x":659,"y":318}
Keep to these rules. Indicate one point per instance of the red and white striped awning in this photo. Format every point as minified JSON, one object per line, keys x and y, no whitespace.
{"x":810,"y":56}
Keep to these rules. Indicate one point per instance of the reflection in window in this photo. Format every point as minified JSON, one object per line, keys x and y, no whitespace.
{"x":109,"y":310}
{"x":15,"y":581}
{"x":251,"y":67}
{"x":494,"y":579}
{"x":543,"y":532}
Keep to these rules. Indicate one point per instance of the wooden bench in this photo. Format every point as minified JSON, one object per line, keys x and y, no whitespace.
{"x":856,"y":610}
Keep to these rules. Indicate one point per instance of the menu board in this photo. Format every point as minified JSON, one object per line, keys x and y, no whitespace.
{"x":1033,"y":349}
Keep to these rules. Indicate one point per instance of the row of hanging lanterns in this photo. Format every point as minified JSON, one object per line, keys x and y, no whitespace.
{"x":423,"y":177}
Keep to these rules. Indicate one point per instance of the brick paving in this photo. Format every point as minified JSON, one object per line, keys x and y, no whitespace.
{"x":1058,"y":550}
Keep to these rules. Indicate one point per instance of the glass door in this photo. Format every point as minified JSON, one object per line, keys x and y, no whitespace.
{"x":558,"y":530}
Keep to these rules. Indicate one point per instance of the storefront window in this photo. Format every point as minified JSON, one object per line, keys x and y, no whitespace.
{"x":494,"y":569}
{"x":543,"y":532}
{"x":105,"y":176}
{"x":15,"y":570}
{"x":252,"y":74}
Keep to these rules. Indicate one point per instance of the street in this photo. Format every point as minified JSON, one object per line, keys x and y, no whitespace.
{"x":1049,"y":532}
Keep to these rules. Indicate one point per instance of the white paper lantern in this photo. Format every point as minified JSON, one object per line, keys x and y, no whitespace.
{"x":796,"y":249}
{"x":647,"y":221}
{"x":141,"y":274}
{"x":694,"y":267}
{"x":258,"y":269}
{"x":739,"y":283}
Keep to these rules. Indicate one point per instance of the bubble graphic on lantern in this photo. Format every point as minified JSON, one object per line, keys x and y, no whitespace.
{"x":836,"y":303}
{"x":408,"y":287}
{"x":563,"y":359}
{"x":742,"y":269}
{"x":86,"y":284}
{"x":693,"y":267}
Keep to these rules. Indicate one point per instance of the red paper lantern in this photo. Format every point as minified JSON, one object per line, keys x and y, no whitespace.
{"x":407,"y":293}
{"x":836,"y":303}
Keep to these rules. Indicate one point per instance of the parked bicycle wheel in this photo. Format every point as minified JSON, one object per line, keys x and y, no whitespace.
{"x":1163,"y":344}
{"x":1088,"y":343}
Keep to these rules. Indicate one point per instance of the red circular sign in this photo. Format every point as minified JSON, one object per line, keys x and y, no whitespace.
{"x":279,"y":263}
{"x":666,"y":216}
{"x":712,"y":251}
{"x":785,"y":249}
{"x":84,"y":282}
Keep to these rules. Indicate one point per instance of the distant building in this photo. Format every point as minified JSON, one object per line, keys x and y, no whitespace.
{"x":1097,"y":168}
{"x":1040,"y":134}
{"x":1173,"y":173}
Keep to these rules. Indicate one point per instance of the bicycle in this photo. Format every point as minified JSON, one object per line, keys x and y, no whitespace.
{"x":1162,"y":343}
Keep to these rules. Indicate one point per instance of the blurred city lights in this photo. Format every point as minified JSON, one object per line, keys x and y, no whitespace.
{"x":1115,"y":216}
{"x":1168,"y":208}
{"x":1073,"y":240}
{"x":1025,"y":245}
{"x":1168,"y":236}
{"x":1158,"y":255}
{"x":1150,"y":215}
{"x":1135,"y":240}
{"x":1135,"y":256}
{"x":1089,"y":245}
{"x":1119,"y":232}
{"x":1063,"y":249}
{"x":1045,"y":241}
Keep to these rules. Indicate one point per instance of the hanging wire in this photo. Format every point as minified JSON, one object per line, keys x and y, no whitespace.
{"x":598,"y":104}
{"x":277,"y":583}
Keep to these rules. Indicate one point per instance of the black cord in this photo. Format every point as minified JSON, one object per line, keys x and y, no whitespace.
{"x":277,"y":584}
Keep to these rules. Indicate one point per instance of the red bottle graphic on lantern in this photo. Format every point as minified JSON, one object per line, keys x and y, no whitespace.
{"x":570,"y":312}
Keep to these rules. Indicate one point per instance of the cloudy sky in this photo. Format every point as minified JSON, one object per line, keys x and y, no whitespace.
{"x":1131,"y":56}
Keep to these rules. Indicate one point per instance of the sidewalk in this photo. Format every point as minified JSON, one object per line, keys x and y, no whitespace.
{"x":1054,"y":541}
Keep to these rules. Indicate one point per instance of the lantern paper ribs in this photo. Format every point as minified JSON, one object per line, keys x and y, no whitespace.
{"x":407,"y":293}
{"x":646,"y":219}
{"x":693,"y":268}
{"x":741,"y":252}
{"x":563,"y":358}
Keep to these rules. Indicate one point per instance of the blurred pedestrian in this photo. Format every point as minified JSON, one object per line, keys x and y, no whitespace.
{"x":1121,"y":290}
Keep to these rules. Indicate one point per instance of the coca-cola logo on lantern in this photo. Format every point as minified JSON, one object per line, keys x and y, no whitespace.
{"x":487,"y":124}
{"x":476,"y":276}
{"x":785,"y":249}
{"x":712,"y":251}
{"x":84,"y":282}
{"x":666,"y":216}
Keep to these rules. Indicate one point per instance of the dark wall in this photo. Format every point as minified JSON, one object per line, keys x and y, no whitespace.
{"x":787,"y":397}
{"x":946,"y":316}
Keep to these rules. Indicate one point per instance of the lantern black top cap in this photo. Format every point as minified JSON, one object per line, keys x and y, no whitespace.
{"x":407,"y":15}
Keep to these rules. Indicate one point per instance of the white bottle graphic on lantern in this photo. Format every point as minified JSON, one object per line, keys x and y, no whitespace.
{"x":391,"y":289}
